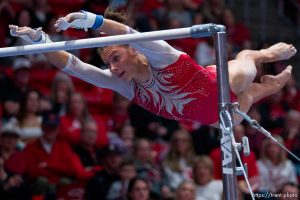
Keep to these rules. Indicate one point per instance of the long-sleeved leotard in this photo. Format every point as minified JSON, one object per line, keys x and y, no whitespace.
{"x":178,"y":88}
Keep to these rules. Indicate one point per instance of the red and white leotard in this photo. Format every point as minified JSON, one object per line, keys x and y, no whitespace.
{"x":178,"y":88}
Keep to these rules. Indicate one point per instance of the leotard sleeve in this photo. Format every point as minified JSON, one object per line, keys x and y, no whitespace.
{"x":159,"y":53}
{"x":98,"y":77}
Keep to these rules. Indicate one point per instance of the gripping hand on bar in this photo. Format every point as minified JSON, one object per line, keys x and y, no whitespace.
{"x":80,"y":20}
{"x":156,"y":76}
{"x":28,"y":34}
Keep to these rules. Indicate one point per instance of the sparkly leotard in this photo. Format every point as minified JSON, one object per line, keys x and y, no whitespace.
{"x":178,"y":88}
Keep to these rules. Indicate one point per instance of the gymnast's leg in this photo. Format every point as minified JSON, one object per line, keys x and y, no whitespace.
{"x":269,"y":85}
{"x":242,"y":70}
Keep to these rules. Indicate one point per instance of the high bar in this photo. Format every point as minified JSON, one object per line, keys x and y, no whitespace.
{"x":196,"y":31}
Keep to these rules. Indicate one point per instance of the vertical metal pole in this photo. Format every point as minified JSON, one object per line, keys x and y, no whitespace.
{"x":228,"y":156}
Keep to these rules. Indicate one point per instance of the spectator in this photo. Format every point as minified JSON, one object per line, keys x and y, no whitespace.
{"x":187,"y":45}
{"x":193,"y":5}
{"x":205,"y":53}
{"x":145,"y":165}
{"x":176,"y":11}
{"x":16,"y":87}
{"x":178,"y":162}
{"x":12,"y":165}
{"x":6,"y":15}
{"x":127,"y":135}
{"x":98,"y":186}
{"x":87,"y":150}
{"x":11,"y":155}
{"x":52,"y":162}
{"x":206,"y":186}
{"x":291,"y":129}
{"x":61,"y":90}
{"x":118,"y":189}
{"x":143,"y":121}
{"x":141,"y":14}
{"x":238,"y":33}
{"x":71,"y":123}
{"x":291,"y":95}
{"x":255,"y":137}
{"x":289,"y":191}
{"x":28,"y":119}
{"x":291,"y":137}
{"x":40,"y":12}
{"x":120,"y":115}
{"x":212,"y":10}
{"x":204,"y":47}
{"x":274,"y":168}
{"x":186,"y":191}
{"x":273,"y":113}
{"x":139,"y":189}
{"x":159,"y":140}
{"x":205,"y":139}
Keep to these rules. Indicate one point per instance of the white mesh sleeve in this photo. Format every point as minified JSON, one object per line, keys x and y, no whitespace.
{"x":159,"y":53}
{"x":98,"y":77}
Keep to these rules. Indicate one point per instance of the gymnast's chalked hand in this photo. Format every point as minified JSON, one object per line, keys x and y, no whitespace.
{"x":26,"y":33}
{"x":80,"y":20}
{"x":69,"y":21}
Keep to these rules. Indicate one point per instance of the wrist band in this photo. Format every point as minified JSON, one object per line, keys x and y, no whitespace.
{"x":98,"y":22}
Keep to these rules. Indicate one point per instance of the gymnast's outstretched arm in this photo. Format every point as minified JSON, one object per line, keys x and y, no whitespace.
{"x":73,"y":65}
{"x":59,"y":59}
{"x":153,"y":50}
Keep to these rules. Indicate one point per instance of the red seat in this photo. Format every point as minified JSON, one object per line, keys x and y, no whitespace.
{"x":8,"y":71}
{"x":99,"y":100}
{"x":63,"y":7}
{"x":102,"y":130}
{"x":41,"y":79}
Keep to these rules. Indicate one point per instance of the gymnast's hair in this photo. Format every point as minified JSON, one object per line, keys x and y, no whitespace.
{"x":120,"y":17}
{"x":115,"y":16}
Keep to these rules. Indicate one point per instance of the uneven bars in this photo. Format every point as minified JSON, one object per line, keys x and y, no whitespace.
{"x":196,"y":31}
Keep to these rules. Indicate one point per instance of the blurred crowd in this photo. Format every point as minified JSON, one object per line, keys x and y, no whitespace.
{"x":61,"y":138}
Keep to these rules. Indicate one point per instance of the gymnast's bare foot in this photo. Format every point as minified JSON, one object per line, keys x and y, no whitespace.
{"x":279,"y":51}
{"x":277,"y":82}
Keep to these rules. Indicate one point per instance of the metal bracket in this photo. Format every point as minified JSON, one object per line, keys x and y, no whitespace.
{"x":239,"y":170}
{"x":206,"y":30}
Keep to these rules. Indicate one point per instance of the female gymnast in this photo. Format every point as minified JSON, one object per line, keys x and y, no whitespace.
{"x":158,"y":77}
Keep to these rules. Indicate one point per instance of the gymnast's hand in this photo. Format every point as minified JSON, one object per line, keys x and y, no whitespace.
{"x":80,"y":20}
{"x":32,"y":36}
{"x":26,"y":33}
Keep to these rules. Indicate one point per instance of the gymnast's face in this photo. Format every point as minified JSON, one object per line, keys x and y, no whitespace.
{"x":121,"y":61}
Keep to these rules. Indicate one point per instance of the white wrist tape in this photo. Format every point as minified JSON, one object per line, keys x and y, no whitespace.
{"x":90,"y":20}
{"x":43,"y":37}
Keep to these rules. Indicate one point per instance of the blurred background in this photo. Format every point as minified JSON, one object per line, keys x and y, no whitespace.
{"x":62,"y":138}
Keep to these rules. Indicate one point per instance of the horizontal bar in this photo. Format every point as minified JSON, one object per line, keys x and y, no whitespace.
{"x":205,"y":30}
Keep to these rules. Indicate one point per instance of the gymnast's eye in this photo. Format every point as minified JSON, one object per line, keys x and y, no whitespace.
{"x":115,"y":58}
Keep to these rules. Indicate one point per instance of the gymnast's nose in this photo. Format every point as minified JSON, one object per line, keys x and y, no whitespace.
{"x":114,"y":68}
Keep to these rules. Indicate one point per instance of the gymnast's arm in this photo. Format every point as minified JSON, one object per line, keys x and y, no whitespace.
{"x":73,"y":65}
{"x":58,"y":59}
{"x":153,"y":50}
